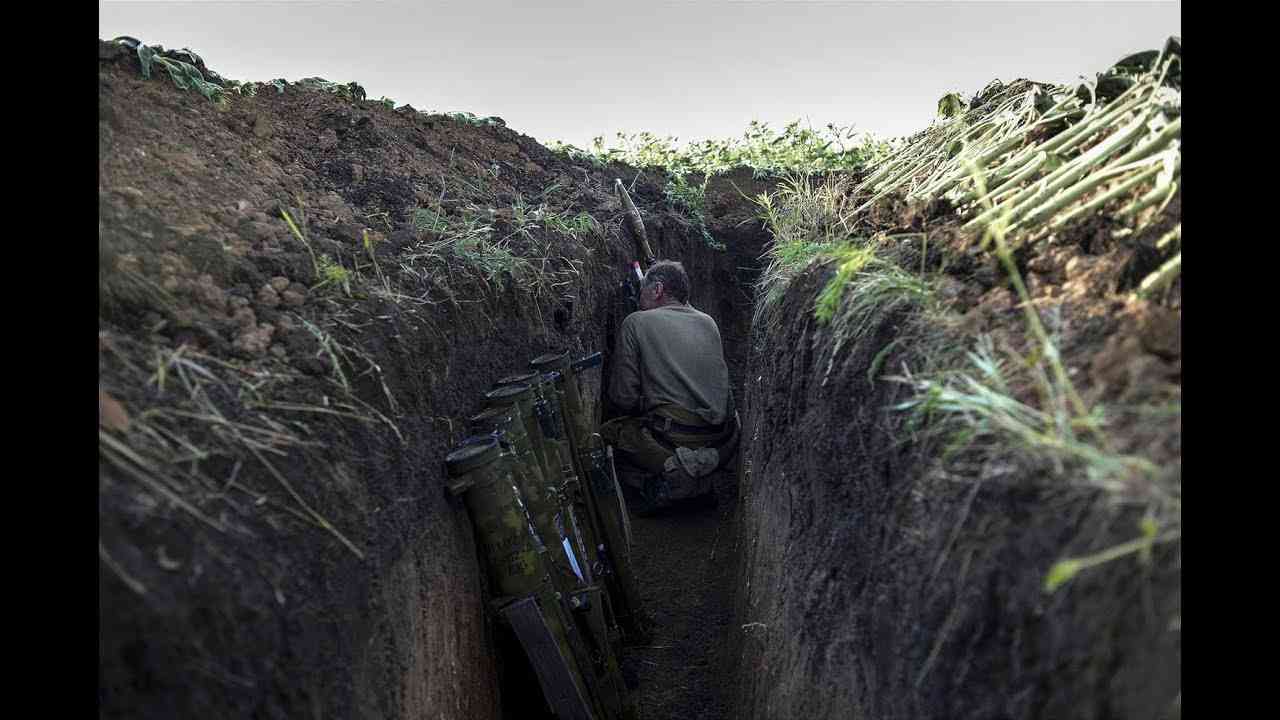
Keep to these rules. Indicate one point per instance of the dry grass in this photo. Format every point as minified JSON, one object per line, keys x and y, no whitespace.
{"x":195,"y":407}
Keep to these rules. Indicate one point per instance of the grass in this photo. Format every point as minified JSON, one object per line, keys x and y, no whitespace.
{"x":199,"y":407}
{"x":978,"y":407}
{"x":466,"y":248}
{"x":690,"y":199}
{"x":572,"y":225}
{"x":851,"y":260}
{"x":805,"y":220}
{"x":1020,"y":163}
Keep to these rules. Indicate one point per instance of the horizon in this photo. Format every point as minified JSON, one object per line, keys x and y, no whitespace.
{"x":693,"y":70}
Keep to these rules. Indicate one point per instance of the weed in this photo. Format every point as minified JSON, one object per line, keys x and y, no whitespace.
{"x":382,"y":279}
{"x":180,"y":64}
{"x":466,"y":118}
{"x":951,"y":105}
{"x":981,"y":408}
{"x":297,"y":229}
{"x":1065,"y":570}
{"x":429,"y":220}
{"x":805,"y":220}
{"x":797,"y":148}
{"x":247,"y":89}
{"x":576,"y":154}
{"x":575,"y":226}
{"x":202,"y":408}
{"x":351,"y":90}
{"x":691,"y":199}
{"x":851,"y":260}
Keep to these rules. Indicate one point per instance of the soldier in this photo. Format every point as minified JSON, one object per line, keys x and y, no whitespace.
{"x":670,"y":377}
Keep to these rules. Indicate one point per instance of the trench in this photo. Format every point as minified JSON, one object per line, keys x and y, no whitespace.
{"x":686,"y":559}
{"x":835,"y":577}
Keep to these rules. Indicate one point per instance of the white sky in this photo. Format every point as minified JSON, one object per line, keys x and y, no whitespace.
{"x":695,"y":69}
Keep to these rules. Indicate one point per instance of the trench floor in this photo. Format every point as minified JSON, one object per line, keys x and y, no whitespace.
{"x":685,"y":562}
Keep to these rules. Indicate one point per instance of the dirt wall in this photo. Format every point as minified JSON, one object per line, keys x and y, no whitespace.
{"x":295,"y":555}
{"x":873,"y":585}
{"x":259,"y":611}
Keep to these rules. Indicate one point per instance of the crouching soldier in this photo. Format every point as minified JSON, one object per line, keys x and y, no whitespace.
{"x":669,"y":375}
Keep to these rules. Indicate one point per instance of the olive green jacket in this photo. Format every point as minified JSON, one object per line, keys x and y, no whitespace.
{"x":671,"y":356}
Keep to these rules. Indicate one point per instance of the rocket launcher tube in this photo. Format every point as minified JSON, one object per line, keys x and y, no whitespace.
{"x":635,"y":224}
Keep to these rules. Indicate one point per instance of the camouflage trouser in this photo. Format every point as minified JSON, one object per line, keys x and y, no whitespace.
{"x":642,"y":452}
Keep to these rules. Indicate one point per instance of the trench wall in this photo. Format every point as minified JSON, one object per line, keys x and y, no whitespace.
{"x":267,"y":615}
{"x":870,"y":586}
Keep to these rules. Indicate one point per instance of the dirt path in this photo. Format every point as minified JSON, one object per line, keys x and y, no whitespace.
{"x":684,"y":564}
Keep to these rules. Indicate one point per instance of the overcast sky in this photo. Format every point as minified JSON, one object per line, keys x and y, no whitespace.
{"x":696,"y":69}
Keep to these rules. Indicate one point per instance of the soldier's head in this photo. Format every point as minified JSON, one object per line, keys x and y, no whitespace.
{"x":666,"y":283}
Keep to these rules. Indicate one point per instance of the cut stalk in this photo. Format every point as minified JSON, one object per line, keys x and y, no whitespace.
{"x":1102,"y":199}
{"x":895,"y":180}
{"x":892,"y":185}
{"x":1160,"y":279}
{"x":1089,"y":184}
{"x":886,"y":167}
{"x":1074,"y":170}
{"x":1001,"y":148}
{"x":1074,"y":136}
{"x":1024,"y":174}
{"x":1174,"y":235}
{"x":1158,"y":194}
{"x":1156,"y":144}
{"x":991,"y":213}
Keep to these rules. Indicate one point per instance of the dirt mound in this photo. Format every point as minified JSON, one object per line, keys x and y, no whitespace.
{"x":302,"y":297}
{"x":888,"y":572}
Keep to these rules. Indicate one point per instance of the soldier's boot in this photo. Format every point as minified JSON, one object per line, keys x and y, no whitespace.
{"x":653,"y":497}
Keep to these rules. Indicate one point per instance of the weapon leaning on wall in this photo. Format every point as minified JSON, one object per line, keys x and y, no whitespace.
{"x":551,"y":520}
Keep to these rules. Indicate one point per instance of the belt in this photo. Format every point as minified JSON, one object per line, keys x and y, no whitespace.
{"x":666,"y":425}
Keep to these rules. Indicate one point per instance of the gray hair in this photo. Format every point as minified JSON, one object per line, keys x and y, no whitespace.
{"x":673,"y":277}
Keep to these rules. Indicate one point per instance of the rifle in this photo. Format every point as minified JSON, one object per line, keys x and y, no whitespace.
{"x":635,"y":226}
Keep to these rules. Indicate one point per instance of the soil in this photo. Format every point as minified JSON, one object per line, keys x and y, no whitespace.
{"x":282,"y":545}
{"x":687,"y":566}
{"x":881,"y":577}
{"x":274,"y":537}
{"x":686,"y":557}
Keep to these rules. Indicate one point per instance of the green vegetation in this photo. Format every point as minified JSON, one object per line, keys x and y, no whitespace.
{"x":351,"y":90}
{"x":180,"y":64}
{"x":1050,"y":154}
{"x":797,"y":148}
{"x":850,"y":261}
{"x":951,"y":105}
{"x":576,"y":225}
{"x":467,"y":118}
{"x":576,"y":154}
{"x":805,"y":220}
{"x":690,"y":199}
{"x":1019,"y":162}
